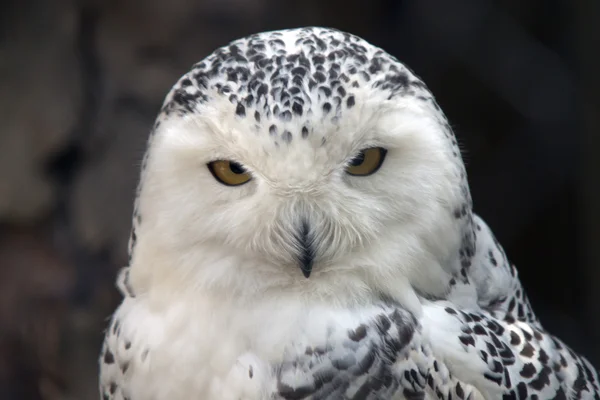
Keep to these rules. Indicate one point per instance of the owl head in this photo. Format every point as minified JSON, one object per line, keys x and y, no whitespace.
{"x":303,"y":162}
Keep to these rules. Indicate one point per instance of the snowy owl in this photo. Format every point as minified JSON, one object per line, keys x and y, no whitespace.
{"x":303,"y":229}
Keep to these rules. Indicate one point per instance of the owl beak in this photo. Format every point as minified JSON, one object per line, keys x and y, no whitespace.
{"x":306,"y":252}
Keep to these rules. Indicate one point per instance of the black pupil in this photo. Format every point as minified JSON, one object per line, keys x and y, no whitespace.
{"x":358,"y":160}
{"x":236,"y":168}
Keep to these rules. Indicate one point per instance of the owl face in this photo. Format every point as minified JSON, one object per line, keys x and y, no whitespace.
{"x":257,"y":192}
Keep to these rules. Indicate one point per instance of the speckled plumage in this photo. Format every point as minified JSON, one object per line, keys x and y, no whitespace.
{"x":411,"y":296}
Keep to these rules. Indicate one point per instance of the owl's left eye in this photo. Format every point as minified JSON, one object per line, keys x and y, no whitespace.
{"x":229,"y":173}
{"x":367,"y":162}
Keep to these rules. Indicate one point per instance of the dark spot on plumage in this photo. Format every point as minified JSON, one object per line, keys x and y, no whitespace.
{"x":297,"y":80}
{"x":492,"y":258}
{"x":361,"y":59}
{"x":495,"y":327}
{"x":326,"y":107}
{"x":257,"y":116}
{"x":520,"y":312}
{"x":109,"y":357}
{"x":542,"y":379}
{"x":285,"y":116}
{"x":249,"y":100}
{"x":560,"y":395}
{"x":522,"y":390}
{"x":538,"y":335}
{"x":556,"y":367}
{"x":509,"y":396}
{"x":297,"y":393}
{"x":430,"y":381}
{"x":580,"y":384}
{"x":563,"y":361}
{"x":528,"y":370}
{"x":414,"y":376}
{"x":319,"y":77}
{"x":556,"y":343}
{"x":383,"y":323}
{"x":263,"y":62}
{"x":304,"y":132}
{"x":527,"y":335}
{"x":459,"y":391}
{"x":511,"y":304}
{"x":363,"y":365}
{"x":127,"y":345}
{"x":325,"y":91}
{"x":543,"y":357}
{"x":112,"y":388}
{"x":497,"y":366}
{"x":297,"y":108}
{"x":233,"y":99}
{"x":588,"y":373}
{"x":484,"y":355}
{"x":528,"y":350}
{"x":495,"y":340}
{"x":262,"y":90}
{"x":294,"y":90}
{"x":358,"y":334}
{"x":323,"y":376}
{"x":491,"y":349}
{"x":286,"y":136}
{"x":496,"y":379}
{"x":479,"y":330}
{"x":338,"y":102}
{"x":124,"y":367}
{"x":450,"y":310}
{"x":515,"y":340}
{"x":116,"y":325}
{"x":466,"y":316}
{"x":467,"y":340}
{"x":508,"y":357}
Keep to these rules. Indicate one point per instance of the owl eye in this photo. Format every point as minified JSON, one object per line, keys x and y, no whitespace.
{"x":367,"y":162}
{"x":229,"y":173}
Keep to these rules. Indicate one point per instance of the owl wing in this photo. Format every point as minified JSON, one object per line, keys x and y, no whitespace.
{"x":384,"y":358}
{"x":446,"y":354}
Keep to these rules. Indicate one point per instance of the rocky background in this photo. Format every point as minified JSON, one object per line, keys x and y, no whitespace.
{"x":82,"y":80}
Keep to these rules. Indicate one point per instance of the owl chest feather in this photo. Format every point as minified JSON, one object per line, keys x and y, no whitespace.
{"x":205,"y":345}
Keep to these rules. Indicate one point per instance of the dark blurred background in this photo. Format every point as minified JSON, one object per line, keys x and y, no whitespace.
{"x":81,"y":82}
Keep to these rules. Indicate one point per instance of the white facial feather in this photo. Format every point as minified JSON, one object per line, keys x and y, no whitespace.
{"x":372,"y":234}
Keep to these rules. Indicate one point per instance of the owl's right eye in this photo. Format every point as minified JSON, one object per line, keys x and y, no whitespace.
{"x":229,"y":173}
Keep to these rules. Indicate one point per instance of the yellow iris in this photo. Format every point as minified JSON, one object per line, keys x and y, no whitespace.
{"x":367,"y":161}
{"x":229,"y":173}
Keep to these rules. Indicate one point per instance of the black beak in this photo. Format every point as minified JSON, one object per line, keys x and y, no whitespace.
{"x":306,"y":253}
